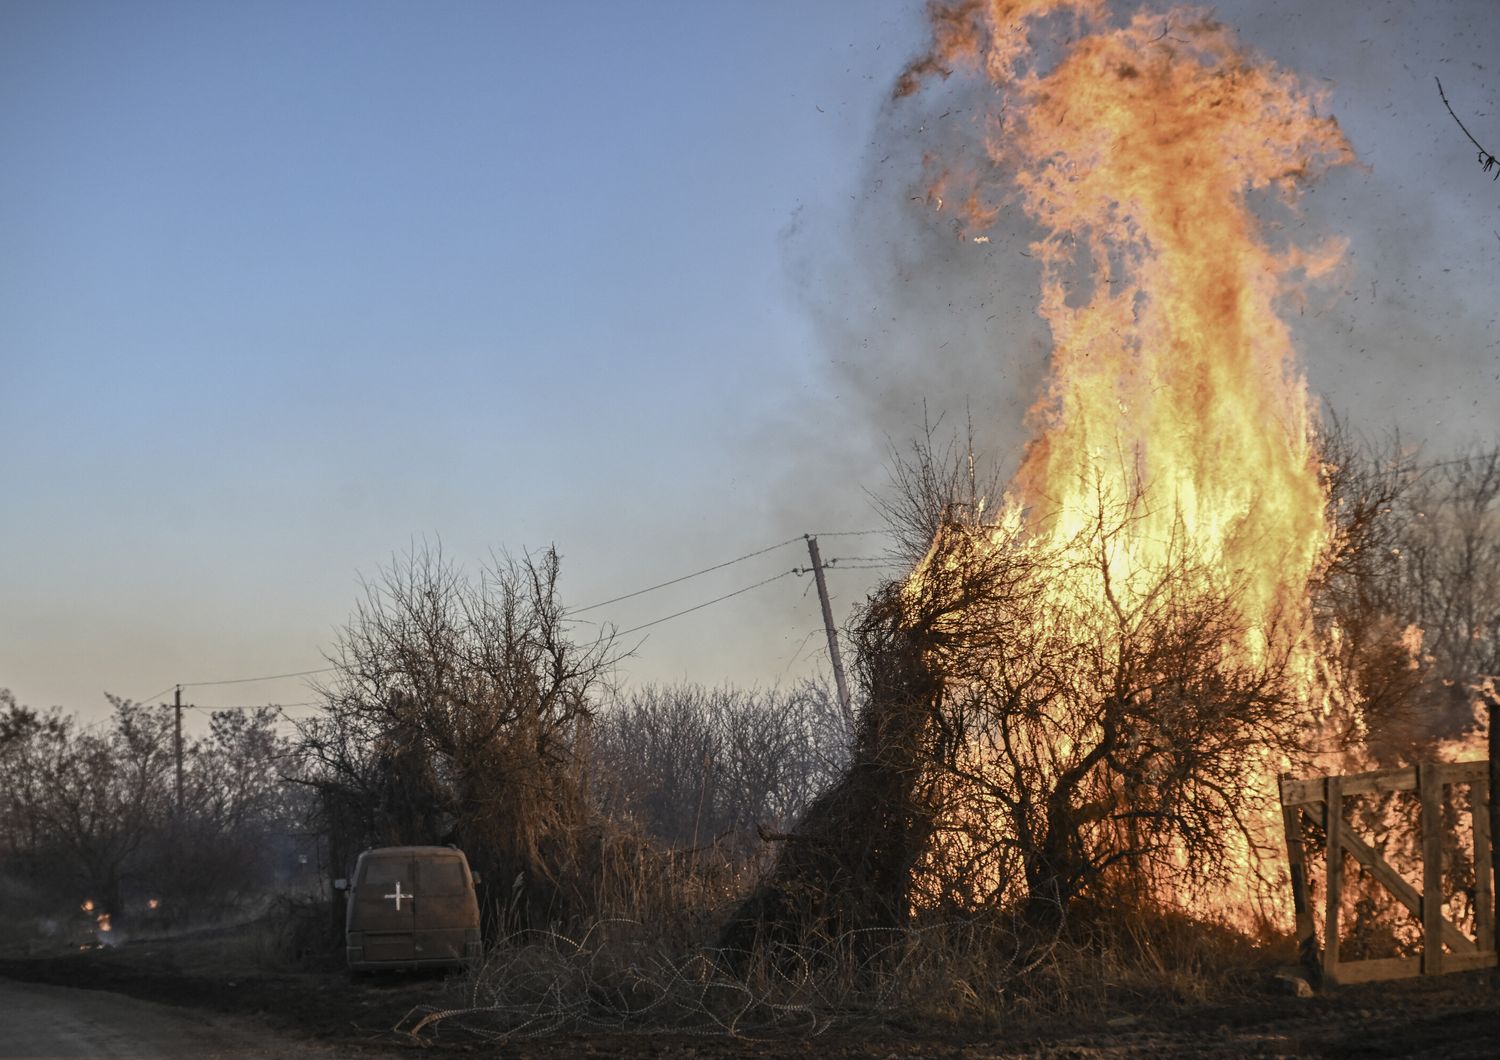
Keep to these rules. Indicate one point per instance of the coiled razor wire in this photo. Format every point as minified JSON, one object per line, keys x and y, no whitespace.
{"x":536,"y":983}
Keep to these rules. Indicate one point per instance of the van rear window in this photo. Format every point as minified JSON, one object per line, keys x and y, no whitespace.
{"x":382,"y":871}
{"x":442,"y":876}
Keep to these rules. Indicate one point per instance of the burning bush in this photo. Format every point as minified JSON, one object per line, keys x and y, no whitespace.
{"x":1081,"y":741}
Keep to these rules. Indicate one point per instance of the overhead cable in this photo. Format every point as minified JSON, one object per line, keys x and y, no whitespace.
{"x":251,"y":680}
{"x":574,"y":611}
{"x":706,"y":603}
{"x":685,"y":577}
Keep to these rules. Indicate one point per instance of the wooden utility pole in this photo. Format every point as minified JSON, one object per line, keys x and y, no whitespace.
{"x":833,"y":636}
{"x":177,"y":742}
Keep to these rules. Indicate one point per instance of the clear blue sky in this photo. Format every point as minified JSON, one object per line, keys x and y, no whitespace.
{"x":285,"y":286}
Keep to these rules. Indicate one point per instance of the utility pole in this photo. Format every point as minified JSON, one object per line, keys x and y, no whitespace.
{"x":833,"y":636}
{"x":177,"y":707}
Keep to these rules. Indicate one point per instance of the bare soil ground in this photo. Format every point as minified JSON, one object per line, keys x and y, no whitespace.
{"x":216,"y":975}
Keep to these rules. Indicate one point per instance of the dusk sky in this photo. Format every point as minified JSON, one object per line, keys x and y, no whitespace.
{"x":287,"y":287}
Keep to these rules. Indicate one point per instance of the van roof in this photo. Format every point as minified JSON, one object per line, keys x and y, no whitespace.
{"x":409,"y":852}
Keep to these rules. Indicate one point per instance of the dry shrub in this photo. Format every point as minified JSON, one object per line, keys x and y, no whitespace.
{"x":977,"y":974}
{"x":264,"y":945}
{"x":620,"y":873}
{"x":617,"y":976}
{"x":1144,"y":959}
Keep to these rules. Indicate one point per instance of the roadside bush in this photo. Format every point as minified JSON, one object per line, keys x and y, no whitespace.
{"x":695,"y":766}
{"x":91,"y":814}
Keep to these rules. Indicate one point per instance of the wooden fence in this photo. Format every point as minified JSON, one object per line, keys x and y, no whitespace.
{"x":1321,"y":800}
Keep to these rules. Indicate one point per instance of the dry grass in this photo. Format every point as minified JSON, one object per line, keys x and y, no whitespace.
{"x":291,"y":934}
{"x":973,"y":975}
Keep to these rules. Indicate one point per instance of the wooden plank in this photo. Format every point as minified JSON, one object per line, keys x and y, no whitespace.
{"x":1382,"y":968}
{"x":1307,"y":932}
{"x":1333,"y":819}
{"x":1430,"y":784}
{"x":1484,"y":886}
{"x":1465,"y":962}
{"x":1408,"y":967}
{"x":1461,"y":772}
{"x":1379,"y":781}
{"x":1403,"y":892}
{"x":1304,"y":792}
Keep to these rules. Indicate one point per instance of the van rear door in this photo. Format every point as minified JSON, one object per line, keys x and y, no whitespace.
{"x":447,"y":915}
{"x":385,"y":908}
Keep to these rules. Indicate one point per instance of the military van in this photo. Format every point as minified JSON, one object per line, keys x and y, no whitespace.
{"x":411,"y":907}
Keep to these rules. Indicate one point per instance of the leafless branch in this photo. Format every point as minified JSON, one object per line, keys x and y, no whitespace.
{"x":1486,"y":160}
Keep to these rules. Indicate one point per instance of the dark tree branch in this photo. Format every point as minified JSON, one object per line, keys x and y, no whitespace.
{"x":1486,"y":160}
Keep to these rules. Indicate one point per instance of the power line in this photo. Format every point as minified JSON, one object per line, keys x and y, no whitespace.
{"x":232,"y":681}
{"x":706,"y":603}
{"x":251,"y":680}
{"x":685,"y":577}
{"x":250,"y":706}
{"x":575,"y":611}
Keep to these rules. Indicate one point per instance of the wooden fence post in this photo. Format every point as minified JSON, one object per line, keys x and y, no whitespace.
{"x":1333,"y":825}
{"x":1494,"y":815}
{"x":1484,"y":891}
{"x":1307,"y":934}
{"x":1430,"y":788}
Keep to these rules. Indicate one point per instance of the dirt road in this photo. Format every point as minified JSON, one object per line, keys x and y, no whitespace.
{"x":58,"y":1021}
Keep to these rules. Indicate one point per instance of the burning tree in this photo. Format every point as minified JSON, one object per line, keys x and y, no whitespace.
{"x":1080,"y":739}
{"x":1021,"y":745}
{"x":1102,"y":670}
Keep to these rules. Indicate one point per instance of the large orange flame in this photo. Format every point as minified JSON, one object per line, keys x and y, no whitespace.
{"x":1154,"y":156}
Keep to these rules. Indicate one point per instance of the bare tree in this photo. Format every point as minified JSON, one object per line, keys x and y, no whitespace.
{"x":220,"y":847}
{"x":455,"y":715}
{"x":693,"y":764}
{"x":91,"y":812}
{"x":89,"y":799}
{"x":1409,"y":600}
